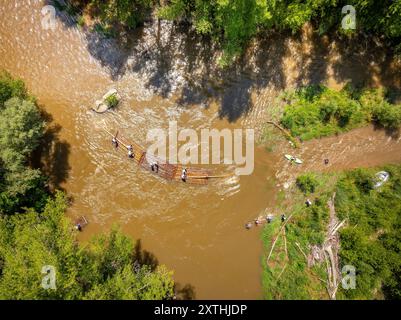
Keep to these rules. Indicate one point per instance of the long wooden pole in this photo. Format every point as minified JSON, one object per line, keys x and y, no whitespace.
{"x":286,"y":132}
{"x":208,"y":177}
{"x":275,"y":240}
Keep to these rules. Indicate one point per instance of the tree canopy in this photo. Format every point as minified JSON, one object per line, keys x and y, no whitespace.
{"x":21,"y":129}
{"x":232,"y":23}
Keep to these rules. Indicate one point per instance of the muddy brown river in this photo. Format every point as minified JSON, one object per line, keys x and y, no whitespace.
{"x":197,"y":231}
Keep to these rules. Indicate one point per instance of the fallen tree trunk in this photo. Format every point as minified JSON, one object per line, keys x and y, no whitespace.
{"x":286,"y":133}
{"x":275,"y":240}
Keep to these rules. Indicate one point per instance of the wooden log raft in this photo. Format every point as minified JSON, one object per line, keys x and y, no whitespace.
{"x":161,"y":167}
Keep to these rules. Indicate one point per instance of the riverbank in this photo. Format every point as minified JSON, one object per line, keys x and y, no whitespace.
{"x":350,"y":223}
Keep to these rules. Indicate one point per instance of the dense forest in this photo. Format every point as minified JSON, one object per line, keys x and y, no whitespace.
{"x":34,"y":231}
{"x":233,"y":23}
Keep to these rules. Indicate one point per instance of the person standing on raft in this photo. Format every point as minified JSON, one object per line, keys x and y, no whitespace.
{"x":114,"y":141}
{"x":155,"y":167}
{"x":184,"y":175}
{"x":130,"y":152}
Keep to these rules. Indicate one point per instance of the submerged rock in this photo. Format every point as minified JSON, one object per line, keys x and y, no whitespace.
{"x":109,"y":100}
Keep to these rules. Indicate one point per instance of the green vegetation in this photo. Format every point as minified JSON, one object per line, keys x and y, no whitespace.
{"x":316,"y":111}
{"x":10,"y":88}
{"x":369,"y":241}
{"x":388,"y":116}
{"x":233,"y":23}
{"x":113,"y":13}
{"x":21,"y":128}
{"x":104,"y":29}
{"x":112,"y":101}
{"x":307,"y":183}
{"x":287,"y":275}
{"x":81,"y":21}
{"x":34,"y":232}
{"x":382,"y":112}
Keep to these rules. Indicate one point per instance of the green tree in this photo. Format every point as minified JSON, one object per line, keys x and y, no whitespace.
{"x":21,"y":128}
{"x":10,"y":88}
{"x":130,"y":13}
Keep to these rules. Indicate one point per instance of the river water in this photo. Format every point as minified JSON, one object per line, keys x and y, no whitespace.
{"x":197,"y":231}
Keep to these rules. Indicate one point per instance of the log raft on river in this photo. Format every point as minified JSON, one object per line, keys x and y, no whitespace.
{"x":164,"y":169}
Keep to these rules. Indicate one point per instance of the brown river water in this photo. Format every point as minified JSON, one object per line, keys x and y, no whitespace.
{"x":197,"y":231}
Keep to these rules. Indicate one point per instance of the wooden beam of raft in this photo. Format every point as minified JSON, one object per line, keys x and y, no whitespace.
{"x":210,"y":177}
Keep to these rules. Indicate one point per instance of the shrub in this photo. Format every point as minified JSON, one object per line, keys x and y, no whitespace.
{"x":112,"y":101}
{"x":369,"y":240}
{"x":81,"y":21}
{"x":387,"y":116}
{"x":363,"y":180}
{"x":307,"y":183}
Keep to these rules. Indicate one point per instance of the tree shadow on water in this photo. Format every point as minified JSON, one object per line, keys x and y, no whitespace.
{"x":142,"y":257}
{"x":171,"y":58}
{"x":186,"y":292}
{"x":52,"y":155}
